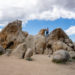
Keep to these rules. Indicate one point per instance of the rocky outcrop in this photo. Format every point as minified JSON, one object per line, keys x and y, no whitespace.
{"x":13,"y":38}
{"x":59,"y":34}
{"x":12,"y":35}
{"x":60,"y":56}
{"x":58,"y":39}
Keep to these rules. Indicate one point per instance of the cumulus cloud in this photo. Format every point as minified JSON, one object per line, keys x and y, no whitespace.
{"x":70,"y":30}
{"x":36,"y":9}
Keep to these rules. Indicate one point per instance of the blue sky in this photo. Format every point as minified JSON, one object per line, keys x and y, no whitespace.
{"x":34,"y":26}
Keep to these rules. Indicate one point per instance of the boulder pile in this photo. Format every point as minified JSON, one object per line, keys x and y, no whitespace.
{"x":15,"y":42}
{"x":58,"y":39}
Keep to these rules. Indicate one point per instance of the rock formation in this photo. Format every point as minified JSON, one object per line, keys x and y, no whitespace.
{"x":58,"y":39}
{"x":12,"y":35}
{"x":22,"y":45}
{"x":37,"y":43}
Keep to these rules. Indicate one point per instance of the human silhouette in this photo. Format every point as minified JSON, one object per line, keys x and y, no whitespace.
{"x":47,"y":32}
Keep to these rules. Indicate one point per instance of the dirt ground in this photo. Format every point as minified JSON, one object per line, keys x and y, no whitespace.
{"x":41,"y":65}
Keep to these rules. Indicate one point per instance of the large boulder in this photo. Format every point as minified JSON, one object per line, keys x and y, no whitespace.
{"x":30,"y":42}
{"x":20,"y":50}
{"x":60,"y":56}
{"x":40,"y":44}
{"x":58,"y":39}
{"x":28,"y":54}
{"x":12,"y":35}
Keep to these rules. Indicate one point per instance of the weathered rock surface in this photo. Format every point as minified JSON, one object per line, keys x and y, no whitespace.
{"x":8,"y":52}
{"x":37,"y":43}
{"x":42,"y":32}
{"x":30,"y":42}
{"x":74,"y":46}
{"x":72,"y":54}
{"x":59,"y":34}
{"x":60,"y":56}
{"x":12,"y":35}
{"x":28,"y":53}
{"x":2,"y":50}
{"x":60,"y":45}
{"x":25,"y":33}
{"x":20,"y":50}
{"x":58,"y":39}
{"x":40,"y":44}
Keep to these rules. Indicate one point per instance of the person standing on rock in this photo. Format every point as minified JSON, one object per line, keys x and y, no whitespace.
{"x":47,"y":32}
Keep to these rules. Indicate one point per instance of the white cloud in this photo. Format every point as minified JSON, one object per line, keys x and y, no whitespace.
{"x":53,"y":15}
{"x":36,"y":9}
{"x":71,"y":30}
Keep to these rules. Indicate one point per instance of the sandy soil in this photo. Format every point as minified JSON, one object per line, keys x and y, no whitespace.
{"x":41,"y":65}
